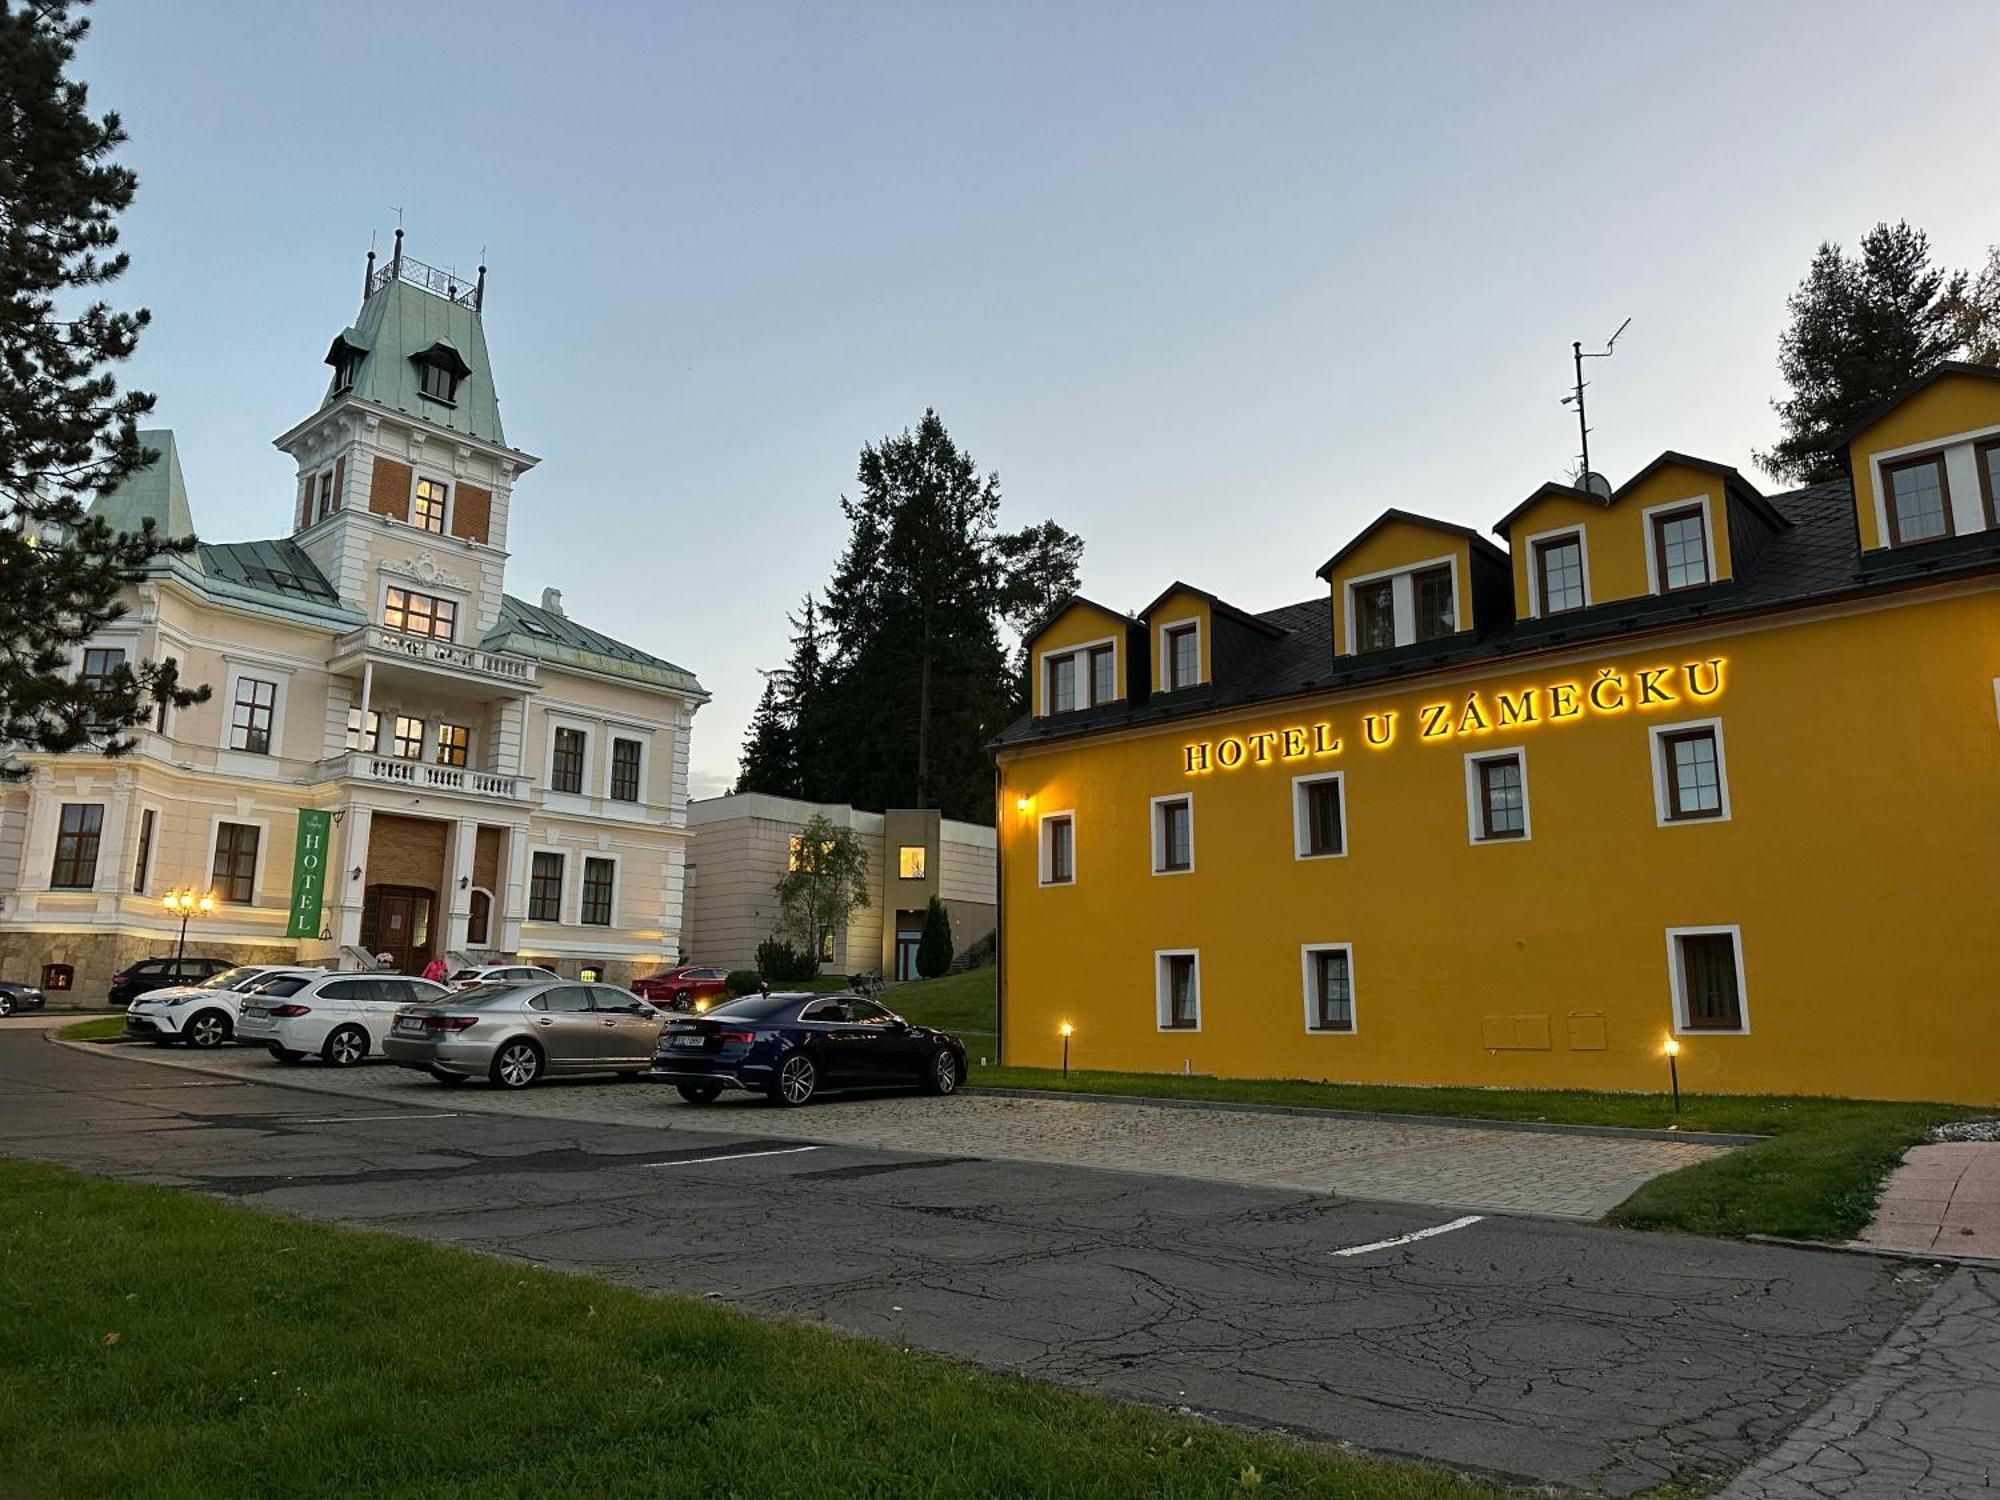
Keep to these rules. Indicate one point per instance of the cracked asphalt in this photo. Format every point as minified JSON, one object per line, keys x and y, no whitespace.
{"x":1527,"y":1348}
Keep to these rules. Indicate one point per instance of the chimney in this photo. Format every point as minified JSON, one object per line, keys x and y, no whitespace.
{"x":552,"y":602}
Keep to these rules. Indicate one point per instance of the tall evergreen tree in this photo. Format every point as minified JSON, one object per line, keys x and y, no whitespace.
{"x":768,"y":763}
{"x":1861,"y":328}
{"x":66,"y":431}
{"x":1038,"y":569}
{"x":805,"y":706}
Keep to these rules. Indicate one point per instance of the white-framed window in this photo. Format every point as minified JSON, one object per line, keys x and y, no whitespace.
{"x":1173,"y":834}
{"x":416,"y":613}
{"x":597,"y":899}
{"x":1080,"y":676}
{"x":327,"y":501}
{"x":1558,"y":571}
{"x":1690,"y":772}
{"x":253,"y":714}
{"x":1057,"y":838}
{"x":1326,"y":970}
{"x":1917,"y":497}
{"x":628,"y":768}
{"x":545,"y":885}
{"x":1177,"y":983}
{"x":362,"y":737}
{"x":1319,"y":815}
{"x":1705,"y":968}
{"x":1421,"y":601}
{"x":479,"y":918}
{"x":454,"y":745}
{"x":146,"y":842}
{"x":1941,"y":487}
{"x":236,"y":853}
{"x":1680,"y":545}
{"x":408,"y":743}
{"x":1180,"y":654}
{"x":1496,"y":797}
{"x":569,"y":758}
{"x":430,"y":502}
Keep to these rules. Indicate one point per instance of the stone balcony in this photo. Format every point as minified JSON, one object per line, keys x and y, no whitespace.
{"x":421,"y":776}
{"x":469,"y":667}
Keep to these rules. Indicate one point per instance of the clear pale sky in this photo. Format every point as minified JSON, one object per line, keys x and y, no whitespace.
{"x":1210,"y":284}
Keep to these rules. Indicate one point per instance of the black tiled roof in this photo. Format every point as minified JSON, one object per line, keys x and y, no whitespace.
{"x":1815,"y":558}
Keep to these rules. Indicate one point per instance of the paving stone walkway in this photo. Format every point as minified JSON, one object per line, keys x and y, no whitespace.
{"x":1554,"y":1174}
{"x":1944,"y":1199}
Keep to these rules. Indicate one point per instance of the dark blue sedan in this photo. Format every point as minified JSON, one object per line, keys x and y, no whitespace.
{"x":790,"y":1047}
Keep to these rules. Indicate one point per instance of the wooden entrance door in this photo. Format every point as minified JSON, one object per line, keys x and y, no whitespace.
{"x":396,"y":920}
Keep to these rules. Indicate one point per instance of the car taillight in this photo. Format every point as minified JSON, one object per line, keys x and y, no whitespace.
{"x":745,"y":1037}
{"x":448,"y":1023}
{"x":288,"y":1011}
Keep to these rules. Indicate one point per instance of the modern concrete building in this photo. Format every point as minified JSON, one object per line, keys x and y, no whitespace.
{"x":501,"y":779}
{"x":741,"y":847}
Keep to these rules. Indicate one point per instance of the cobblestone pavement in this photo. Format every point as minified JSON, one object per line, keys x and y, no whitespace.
{"x":1549,"y":1173}
{"x":1923,"y":1419}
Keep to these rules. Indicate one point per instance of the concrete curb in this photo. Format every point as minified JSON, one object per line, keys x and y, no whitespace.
{"x":1878,"y":1252}
{"x":1376,"y":1117}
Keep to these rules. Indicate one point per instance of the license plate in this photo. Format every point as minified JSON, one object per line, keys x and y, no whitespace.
{"x":409,"y":1023}
{"x":255,"y":1013}
{"x":689,"y":1041}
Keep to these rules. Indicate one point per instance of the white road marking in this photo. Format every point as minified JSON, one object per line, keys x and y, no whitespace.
{"x":1403,"y":1239}
{"x":359,"y":1119}
{"x":702,"y":1161}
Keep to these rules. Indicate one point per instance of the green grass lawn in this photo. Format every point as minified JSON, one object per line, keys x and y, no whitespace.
{"x":1816,"y":1178}
{"x":965,"y":1002}
{"x":170,"y":1345}
{"x":96,"y":1029}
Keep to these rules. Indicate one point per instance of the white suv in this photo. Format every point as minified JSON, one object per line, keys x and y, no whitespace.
{"x":202,"y":1015}
{"x":465,"y":979}
{"x":341,"y":1017}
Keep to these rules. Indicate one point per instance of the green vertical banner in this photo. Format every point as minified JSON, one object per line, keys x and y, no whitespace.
{"x":309,"y":857}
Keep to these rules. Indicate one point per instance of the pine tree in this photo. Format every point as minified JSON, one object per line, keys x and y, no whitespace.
{"x":1038,"y":567}
{"x":805,"y":707}
{"x":66,"y":431}
{"x":768,"y":764}
{"x":1861,"y":328}
{"x":934,"y":951}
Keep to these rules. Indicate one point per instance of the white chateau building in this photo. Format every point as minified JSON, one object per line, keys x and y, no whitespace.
{"x":503,"y":780}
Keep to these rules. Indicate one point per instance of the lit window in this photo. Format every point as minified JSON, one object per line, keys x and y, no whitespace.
{"x":251,"y":715}
{"x":1559,"y":574}
{"x":409,"y":738}
{"x":427,"y":511}
{"x":420,"y":614}
{"x":1319,"y":821}
{"x":624,"y":770}
{"x":1691,"y":779}
{"x":1179,"y":981}
{"x":368,"y":739}
{"x":1707,"y":979}
{"x":1183,"y":656}
{"x":77,"y":836}
{"x":1919,"y":499}
{"x":1431,"y":589}
{"x":1059,"y":849}
{"x":1173,"y":835}
{"x":545,"y":878}
{"x":1680,"y":548}
{"x":1498,"y":787}
{"x":566,"y":767}
{"x":1375,"y":615}
{"x":1329,"y":978}
{"x":236,"y":862}
{"x":910,"y":861}
{"x":597,"y":878}
{"x":454,"y":741}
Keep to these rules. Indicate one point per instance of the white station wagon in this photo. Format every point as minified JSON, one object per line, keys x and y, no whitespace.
{"x":342,"y":1018}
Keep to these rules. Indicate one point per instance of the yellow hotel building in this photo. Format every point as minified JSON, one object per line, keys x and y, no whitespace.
{"x":1680,"y":761}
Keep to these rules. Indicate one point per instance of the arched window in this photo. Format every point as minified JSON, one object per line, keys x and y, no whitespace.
{"x":479,"y":920}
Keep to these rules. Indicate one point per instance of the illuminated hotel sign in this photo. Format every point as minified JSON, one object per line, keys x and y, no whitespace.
{"x":1610,"y":693}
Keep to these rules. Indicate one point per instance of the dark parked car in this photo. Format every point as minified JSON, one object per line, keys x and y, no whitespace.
{"x":15,"y":997}
{"x":157,"y":973}
{"x":789,"y":1047}
{"x":690,"y":987}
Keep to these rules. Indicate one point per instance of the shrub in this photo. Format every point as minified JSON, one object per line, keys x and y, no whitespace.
{"x":780,"y":962}
{"x":743,"y":981}
{"x":934,"y":948}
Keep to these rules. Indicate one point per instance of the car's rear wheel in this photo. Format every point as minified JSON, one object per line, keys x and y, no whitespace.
{"x":209,"y":1028}
{"x":943,"y":1076}
{"x":6,"y":1004}
{"x":699,"y":1093}
{"x":445,"y":1075}
{"x":797,"y":1080}
{"x":345,"y":1047}
{"x":285,"y":1054}
{"x":684,"y":1000}
{"x":517,"y":1065}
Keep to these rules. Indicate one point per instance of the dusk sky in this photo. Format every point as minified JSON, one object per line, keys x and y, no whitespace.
{"x":1210,"y":285}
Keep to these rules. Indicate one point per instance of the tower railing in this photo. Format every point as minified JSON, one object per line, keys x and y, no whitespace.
{"x":446,"y":284}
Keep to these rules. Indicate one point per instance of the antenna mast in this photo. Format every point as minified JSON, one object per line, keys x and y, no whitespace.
{"x":1576,"y":394}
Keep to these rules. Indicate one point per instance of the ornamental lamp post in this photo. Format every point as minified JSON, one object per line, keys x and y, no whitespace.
{"x":1674,"y":1069}
{"x":186,"y":902}
{"x":1065,"y":1029}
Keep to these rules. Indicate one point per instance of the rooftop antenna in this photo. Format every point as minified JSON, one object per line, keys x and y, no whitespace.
{"x":1576,"y":396}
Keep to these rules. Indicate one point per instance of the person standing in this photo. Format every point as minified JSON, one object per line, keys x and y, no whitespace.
{"x":436,"y":969}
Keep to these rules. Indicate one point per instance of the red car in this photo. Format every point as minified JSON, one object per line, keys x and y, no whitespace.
{"x":691,"y":987}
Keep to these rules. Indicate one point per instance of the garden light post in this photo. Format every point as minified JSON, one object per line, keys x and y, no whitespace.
{"x":1674,"y":1069}
{"x":1065,"y":1029}
{"x":185,"y":903}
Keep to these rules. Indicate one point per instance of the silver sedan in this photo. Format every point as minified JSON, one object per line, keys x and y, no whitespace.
{"x":516,"y":1033}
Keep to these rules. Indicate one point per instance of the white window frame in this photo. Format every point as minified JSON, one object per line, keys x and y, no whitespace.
{"x":323,"y":481}
{"x":492,"y":917}
{"x":1405,"y":595}
{"x":450,"y":484}
{"x":1302,"y":819}
{"x":612,"y":734}
{"x":1163,"y":999}
{"x":369,"y":745}
{"x":1654,"y":584}
{"x":460,"y":599}
{"x":263,"y":827}
{"x":1080,"y":654}
{"x":593,"y":734}
{"x":1159,"y":847}
{"x":1531,"y":543}
{"x":140,"y":808}
{"x":1160,"y":650}
{"x":281,"y":678}
{"x":617,"y":887}
{"x":1475,"y":802}
{"x":1042,"y":846}
{"x":563,"y":886}
{"x":1309,"y":988}
{"x":1662,"y":802}
{"x":1961,"y":468}
{"x":1678,"y":979}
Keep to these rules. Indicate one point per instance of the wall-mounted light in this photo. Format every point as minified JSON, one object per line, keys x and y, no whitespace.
{"x":464,"y":881}
{"x":355,"y":873}
{"x":1022,"y":804}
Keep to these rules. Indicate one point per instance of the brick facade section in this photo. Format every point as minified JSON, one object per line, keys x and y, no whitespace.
{"x":389,"y":491}
{"x":486,"y":861}
{"x":472,"y":516}
{"x":406,"y":851}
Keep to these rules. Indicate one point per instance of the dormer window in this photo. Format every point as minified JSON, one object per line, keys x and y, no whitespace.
{"x":440,"y":369}
{"x":1183,"y":654}
{"x":439,"y":383}
{"x":1558,"y":565}
{"x":1432,"y":590}
{"x":1080,"y":678}
{"x":1919,"y":499}
{"x":344,"y":371}
{"x":1375,"y":615}
{"x":1680,"y":547}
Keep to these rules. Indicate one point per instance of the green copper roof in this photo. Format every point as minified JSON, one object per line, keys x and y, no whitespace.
{"x":279,"y":566}
{"x":529,"y":630}
{"x":156,"y":493}
{"x":400,"y":320}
